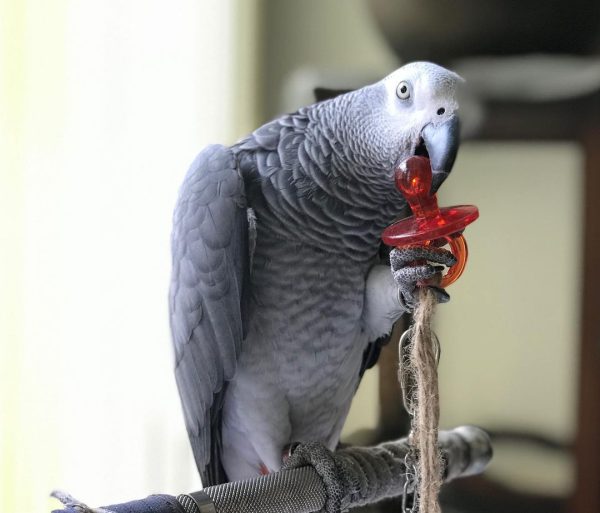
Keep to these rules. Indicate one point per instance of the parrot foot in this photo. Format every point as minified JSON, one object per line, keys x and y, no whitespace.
{"x":411,"y":269}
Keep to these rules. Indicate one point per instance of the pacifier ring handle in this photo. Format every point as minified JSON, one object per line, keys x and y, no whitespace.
{"x":460,"y":250}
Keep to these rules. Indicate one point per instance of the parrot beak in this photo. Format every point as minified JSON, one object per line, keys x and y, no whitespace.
{"x":441,"y":142}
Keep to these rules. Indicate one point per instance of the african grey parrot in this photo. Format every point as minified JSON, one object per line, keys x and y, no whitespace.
{"x":278,"y":294}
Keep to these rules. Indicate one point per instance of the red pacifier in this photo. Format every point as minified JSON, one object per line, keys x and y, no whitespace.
{"x":429,"y":222}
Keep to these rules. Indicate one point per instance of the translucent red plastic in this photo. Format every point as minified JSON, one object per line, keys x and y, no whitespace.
{"x":429,"y":223}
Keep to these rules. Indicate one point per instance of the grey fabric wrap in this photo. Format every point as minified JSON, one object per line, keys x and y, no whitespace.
{"x":315,"y":479}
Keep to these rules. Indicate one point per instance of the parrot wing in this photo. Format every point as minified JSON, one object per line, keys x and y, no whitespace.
{"x":206,"y":300}
{"x":374,"y":347}
{"x":372,"y":353}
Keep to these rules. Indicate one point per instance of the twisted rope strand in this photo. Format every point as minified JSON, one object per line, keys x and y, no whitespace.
{"x":423,"y":363}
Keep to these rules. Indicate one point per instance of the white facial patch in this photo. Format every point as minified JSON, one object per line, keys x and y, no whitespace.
{"x":432,"y":89}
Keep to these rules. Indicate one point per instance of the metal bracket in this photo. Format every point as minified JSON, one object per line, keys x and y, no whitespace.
{"x":196,"y":502}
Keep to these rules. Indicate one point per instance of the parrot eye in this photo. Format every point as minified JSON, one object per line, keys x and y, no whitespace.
{"x":403,"y":91}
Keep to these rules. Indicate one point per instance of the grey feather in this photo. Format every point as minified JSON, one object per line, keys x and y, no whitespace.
{"x":210,"y":266}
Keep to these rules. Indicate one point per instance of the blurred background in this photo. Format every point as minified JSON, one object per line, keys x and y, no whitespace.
{"x":104,"y":104}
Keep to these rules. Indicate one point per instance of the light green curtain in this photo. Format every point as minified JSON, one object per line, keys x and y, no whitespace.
{"x":103,"y":106}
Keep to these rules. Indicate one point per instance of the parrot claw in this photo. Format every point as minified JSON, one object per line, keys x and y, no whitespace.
{"x":411,"y":269}
{"x":288,"y":451}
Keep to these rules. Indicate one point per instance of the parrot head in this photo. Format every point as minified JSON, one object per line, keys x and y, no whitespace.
{"x":412,"y":111}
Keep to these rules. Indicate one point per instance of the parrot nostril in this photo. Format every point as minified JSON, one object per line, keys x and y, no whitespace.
{"x":440,"y":111}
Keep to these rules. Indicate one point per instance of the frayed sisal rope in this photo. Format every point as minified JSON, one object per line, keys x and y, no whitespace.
{"x":422,"y":366}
